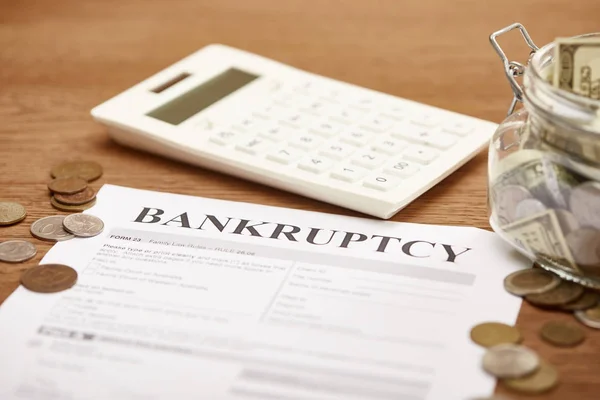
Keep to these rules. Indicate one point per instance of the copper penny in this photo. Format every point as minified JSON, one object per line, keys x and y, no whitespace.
{"x":49,"y":278}
{"x":68,"y":185}
{"x":76,"y":199}
{"x":88,"y":170}
{"x":70,"y":208}
{"x":562,"y":334}
{"x":588,"y":300}
{"x":564,"y":293}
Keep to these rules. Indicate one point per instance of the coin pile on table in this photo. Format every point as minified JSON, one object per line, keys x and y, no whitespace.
{"x":70,"y":185}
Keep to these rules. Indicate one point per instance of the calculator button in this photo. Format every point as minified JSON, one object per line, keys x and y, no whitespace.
{"x":428,"y":120}
{"x":337,"y":150}
{"x":316,"y":164}
{"x":305,"y":141}
{"x":397,"y":113}
{"x":348,"y":173}
{"x":285,"y":155}
{"x":426,"y":136}
{"x":247,"y":123}
{"x":402,"y":168}
{"x":268,"y":111}
{"x":363,"y":103}
{"x":253,"y":145}
{"x":458,"y":128}
{"x":368,"y":159}
{"x":225,"y":137}
{"x":346,"y":115}
{"x":296,"y":119}
{"x":356,"y":137}
{"x":420,"y":154}
{"x":388,"y":145}
{"x":276,"y":132}
{"x":326,"y":128}
{"x":318,"y":107}
{"x":376,"y":124}
{"x":381,"y":182}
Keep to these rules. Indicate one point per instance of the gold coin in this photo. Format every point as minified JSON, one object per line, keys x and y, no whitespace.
{"x":11,"y":213}
{"x":564,"y":293}
{"x":588,"y":300}
{"x":490,"y":334}
{"x":562,"y":334}
{"x":76,"y":199}
{"x":528,"y":281}
{"x":589,"y":317}
{"x":49,"y":278}
{"x":68,"y":185}
{"x":542,"y":380}
{"x":88,"y":170}
{"x":71,"y":208}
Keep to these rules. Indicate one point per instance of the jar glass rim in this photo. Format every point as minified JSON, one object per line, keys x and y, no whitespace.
{"x":541,"y":56}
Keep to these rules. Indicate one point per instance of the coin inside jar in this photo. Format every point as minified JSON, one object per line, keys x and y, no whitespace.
{"x":76,"y":199}
{"x":528,"y":281}
{"x":49,"y":278}
{"x":15,"y":251}
{"x":68,"y":185}
{"x":11,"y":212}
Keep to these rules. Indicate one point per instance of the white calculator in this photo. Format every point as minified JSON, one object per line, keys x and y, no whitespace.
{"x":258,"y":119}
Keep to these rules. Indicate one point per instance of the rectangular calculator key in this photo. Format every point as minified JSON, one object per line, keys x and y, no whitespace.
{"x":362,"y":103}
{"x":433,"y":137}
{"x":326,"y":128}
{"x":402,"y":168}
{"x":253,"y":146}
{"x":305,"y":141}
{"x":319,"y":107}
{"x":388,"y":145}
{"x":347,"y":115}
{"x":337,"y":150}
{"x":368,"y":159}
{"x":426,"y":119}
{"x":381,"y":182}
{"x":296,"y":119}
{"x":376,"y":124}
{"x":348,"y":173}
{"x":225,"y":137}
{"x":268,"y":111}
{"x":356,"y":137}
{"x":276,"y":132}
{"x":285,"y":155}
{"x":248,"y":123}
{"x":316,"y":164}
{"x":420,"y":154}
{"x":396,"y":113}
{"x":458,"y":128}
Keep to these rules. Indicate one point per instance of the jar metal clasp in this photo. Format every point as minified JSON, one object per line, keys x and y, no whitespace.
{"x":513,"y":69}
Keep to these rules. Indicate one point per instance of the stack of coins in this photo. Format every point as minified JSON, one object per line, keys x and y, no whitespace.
{"x":70,"y":185}
{"x":518,"y":367}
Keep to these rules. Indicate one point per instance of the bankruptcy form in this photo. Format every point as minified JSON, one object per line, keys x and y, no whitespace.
{"x":191,"y":298}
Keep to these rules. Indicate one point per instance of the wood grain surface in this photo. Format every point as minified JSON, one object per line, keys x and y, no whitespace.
{"x":60,"y":58}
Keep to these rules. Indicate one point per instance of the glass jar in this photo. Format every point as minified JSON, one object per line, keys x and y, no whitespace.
{"x":544,"y":170}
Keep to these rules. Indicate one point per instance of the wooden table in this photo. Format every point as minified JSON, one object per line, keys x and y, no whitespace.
{"x":60,"y":58}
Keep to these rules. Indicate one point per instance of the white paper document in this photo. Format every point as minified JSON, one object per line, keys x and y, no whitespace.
{"x":190,"y":298}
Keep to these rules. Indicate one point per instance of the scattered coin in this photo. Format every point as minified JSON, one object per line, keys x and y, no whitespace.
{"x":529,"y":281}
{"x":588,"y":300}
{"x":542,"y":380}
{"x":510,"y":361}
{"x":11,"y":213}
{"x":50,"y":228}
{"x":562,"y":334}
{"x":71,"y":208}
{"x":490,"y":334}
{"x":83,"y":225}
{"x":49,"y":278}
{"x":76,"y":199}
{"x":564,"y":293}
{"x":69,"y":185}
{"x":589,"y":317}
{"x":16,"y":251}
{"x":88,"y":170}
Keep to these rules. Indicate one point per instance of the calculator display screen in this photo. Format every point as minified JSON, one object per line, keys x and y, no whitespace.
{"x":198,"y":98}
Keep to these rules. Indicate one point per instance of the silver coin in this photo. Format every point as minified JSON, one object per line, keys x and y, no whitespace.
{"x":16,"y":251}
{"x":507,"y":199}
{"x":585,"y":246}
{"x":584,"y":203}
{"x":50,"y":228}
{"x":528,"y":207}
{"x":510,"y":361}
{"x":567,"y":221}
{"x":83,"y":225}
{"x":584,"y":317}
